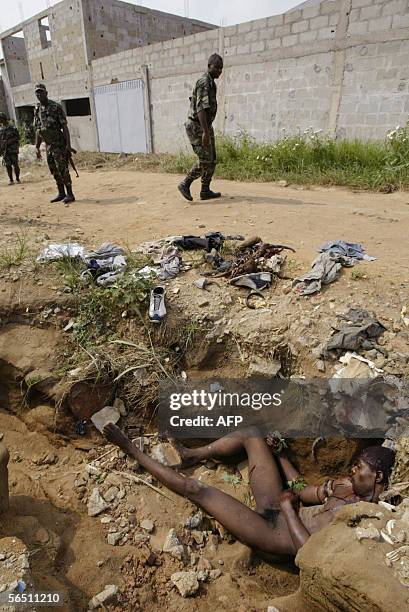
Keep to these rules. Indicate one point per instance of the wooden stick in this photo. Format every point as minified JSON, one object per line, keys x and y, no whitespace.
{"x":137,"y":479}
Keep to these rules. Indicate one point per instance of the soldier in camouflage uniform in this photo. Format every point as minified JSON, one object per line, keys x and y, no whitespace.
{"x":51,"y":126}
{"x":203,"y":109}
{"x":9,"y":146}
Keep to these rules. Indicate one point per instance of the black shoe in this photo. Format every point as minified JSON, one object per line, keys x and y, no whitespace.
{"x":208,"y":194}
{"x":58,"y":198}
{"x":184,"y":188}
{"x":70,"y":197}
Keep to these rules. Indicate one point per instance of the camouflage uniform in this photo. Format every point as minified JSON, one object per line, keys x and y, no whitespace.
{"x":49,"y":122}
{"x":9,"y":145}
{"x":203,"y":98}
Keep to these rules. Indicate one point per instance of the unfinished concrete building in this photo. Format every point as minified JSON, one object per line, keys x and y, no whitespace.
{"x":58,"y":45}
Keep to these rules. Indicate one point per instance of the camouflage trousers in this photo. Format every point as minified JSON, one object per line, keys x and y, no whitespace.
{"x":10,"y":156}
{"x":58,"y":164}
{"x":206,"y":163}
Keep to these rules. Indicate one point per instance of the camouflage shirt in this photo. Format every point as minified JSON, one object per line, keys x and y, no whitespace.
{"x":49,"y":122}
{"x":9,"y":139}
{"x":204,"y":98}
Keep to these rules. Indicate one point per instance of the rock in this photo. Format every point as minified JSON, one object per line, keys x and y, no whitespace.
{"x":283,"y":183}
{"x":193,"y":522}
{"x":263,"y":367}
{"x":141,"y":538}
{"x":114,"y":538}
{"x":320,"y":364}
{"x":147,"y":525}
{"x":166,"y":454}
{"x":186,"y":583}
{"x":198,"y":537}
{"x":214,"y":574}
{"x":119,"y":405}
{"x":204,"y":564}
{"x":202,"y":576}
{"x":173,"y":545}
{"x":367,"y":533}
{"x":111,"y":494}
{"x":96,"y":503}
{"x":106,"y":520}
{"x":105,"y":597}
{"x":272,"y":609}
{"x":109,"y":414}
{"x":92,"y":470}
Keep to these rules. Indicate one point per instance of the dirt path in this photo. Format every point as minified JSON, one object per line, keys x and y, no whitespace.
{"x":130,"y":207}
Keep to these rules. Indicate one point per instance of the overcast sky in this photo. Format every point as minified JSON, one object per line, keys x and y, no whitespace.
{"x":232,"y":11}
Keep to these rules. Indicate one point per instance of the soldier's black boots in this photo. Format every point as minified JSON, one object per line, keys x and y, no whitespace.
{"x":61,"y":193}
{"x":208,"y":194}
{"x":184,"y":188}
{"x":70,"y":196}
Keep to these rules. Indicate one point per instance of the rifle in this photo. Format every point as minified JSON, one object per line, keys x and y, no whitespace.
{"x":72,"y":161}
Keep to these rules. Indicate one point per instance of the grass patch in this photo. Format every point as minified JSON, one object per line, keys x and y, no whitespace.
{"x":16,"y":254}
{"x":310,"y":158}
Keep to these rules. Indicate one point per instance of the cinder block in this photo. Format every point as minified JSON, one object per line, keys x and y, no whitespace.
{"x":311,"y":11}
{"x":292,"y":16}
{"x":251,"y":37}
{"x":274,"y":43}
{"x":306,"y":37}
{"x":244,"y":27}
{"x":400,"y":21}
{"x":358,"y":28}
{"x":319,"y":22}
{"x":383,"y":23}
{"x":289,"y":41}
{"x":257,"y":47}
{"x":371,"y":12}
{"x":395,"y":7}
{"x":283,"y":30}
{"x":329,"y":7}
{"x":359,"y":3}
{"x":259,"y":24}
{"x":334,"y":19}
{"x":299,"y":26}
{"x":325,"y":34}
{"x":275,"y":20}
{"x":241,"y":49}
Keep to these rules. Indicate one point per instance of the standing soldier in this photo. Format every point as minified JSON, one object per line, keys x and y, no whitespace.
{"x":203,"y":109}
{"x":9,"y":146}
{"x":51,"y":126}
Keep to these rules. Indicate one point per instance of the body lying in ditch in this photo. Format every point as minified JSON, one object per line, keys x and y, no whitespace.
{"x":277,"y":526}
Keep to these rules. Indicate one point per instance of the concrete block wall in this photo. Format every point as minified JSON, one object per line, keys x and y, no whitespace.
{"x":15,"y":54}
{"x":112,"y":26}
{"x":339,"y":65}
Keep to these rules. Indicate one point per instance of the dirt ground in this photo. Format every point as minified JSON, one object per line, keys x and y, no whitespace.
{"x":127,"y":207}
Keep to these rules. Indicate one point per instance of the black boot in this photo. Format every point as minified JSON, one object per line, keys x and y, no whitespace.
{"x":70,"y":196}
{"x":184,"y":188}
{"x":61,"y":193}
{"x":207,"y":194}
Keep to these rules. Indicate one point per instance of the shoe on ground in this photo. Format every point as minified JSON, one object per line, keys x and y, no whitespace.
{"x":68,"y":199}
{"x":58,"y":198}
{"x":11,"y":182}
{"x":210,"y":195}
{"x":185,"y":191}
{"x":157,"y":306}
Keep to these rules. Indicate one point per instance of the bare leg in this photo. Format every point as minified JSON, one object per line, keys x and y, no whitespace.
{"x":245,"y":524}
{"x":264,"y":475}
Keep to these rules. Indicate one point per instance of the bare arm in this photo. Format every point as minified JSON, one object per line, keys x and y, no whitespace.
{"x":299,"y":534}
{"x":311,"y":494}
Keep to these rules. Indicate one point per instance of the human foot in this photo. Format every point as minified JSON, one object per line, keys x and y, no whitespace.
{"x":186,"y":458}
{"x":116,"y":436}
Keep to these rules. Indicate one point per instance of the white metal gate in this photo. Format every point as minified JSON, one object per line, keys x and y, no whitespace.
{"x":121,"y":117}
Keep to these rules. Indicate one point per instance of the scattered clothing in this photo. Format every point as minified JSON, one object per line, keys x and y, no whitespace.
{"x":360,"y":332}
{"x":71,"y":250}
{"x":257,"y":281}
{"x":170,"y":265}
{"x":324,"y":270}
{"x":347,"y":249}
